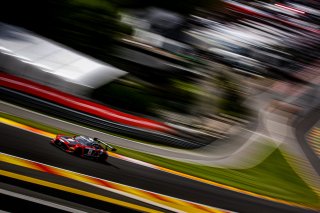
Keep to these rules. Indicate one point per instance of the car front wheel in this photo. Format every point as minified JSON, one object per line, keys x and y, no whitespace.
{"x":102,"y":158}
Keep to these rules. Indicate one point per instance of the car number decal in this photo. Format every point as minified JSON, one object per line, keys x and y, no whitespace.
{"x":89,"y":151}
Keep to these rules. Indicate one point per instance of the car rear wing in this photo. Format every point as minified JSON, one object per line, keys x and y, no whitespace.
{"x":107,"y":145}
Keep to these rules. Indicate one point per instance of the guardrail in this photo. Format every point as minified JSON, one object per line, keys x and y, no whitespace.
{"x":80,"y":104}
{"x":14,"y":91}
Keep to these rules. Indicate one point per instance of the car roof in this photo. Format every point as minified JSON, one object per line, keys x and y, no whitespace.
{"x":84,"y":139}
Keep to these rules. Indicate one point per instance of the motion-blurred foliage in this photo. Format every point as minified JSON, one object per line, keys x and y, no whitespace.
{"x":231,"y":101}
{"x":145,"y":99}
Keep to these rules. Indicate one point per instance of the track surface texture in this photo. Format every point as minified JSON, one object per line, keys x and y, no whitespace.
{"x":37,"y":148}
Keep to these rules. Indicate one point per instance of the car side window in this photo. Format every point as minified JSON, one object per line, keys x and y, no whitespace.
{"x":97,"y":146}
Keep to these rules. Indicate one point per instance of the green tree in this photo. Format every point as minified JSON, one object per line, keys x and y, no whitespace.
{"x":231,"y":101}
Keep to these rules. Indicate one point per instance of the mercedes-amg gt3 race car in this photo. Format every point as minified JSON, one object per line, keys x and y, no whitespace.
{"x":83,"y":146}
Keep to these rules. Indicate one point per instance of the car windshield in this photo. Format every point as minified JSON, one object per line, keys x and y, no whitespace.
{"x":84,"y":140}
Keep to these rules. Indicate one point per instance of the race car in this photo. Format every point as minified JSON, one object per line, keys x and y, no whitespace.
{"x":83,"y":146}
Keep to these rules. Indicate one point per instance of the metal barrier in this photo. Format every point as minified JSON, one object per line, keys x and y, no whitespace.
{"x":80,"y":117}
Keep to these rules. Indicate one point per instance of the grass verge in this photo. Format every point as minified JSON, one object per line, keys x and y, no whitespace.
{"x":274,"y":177}
{"x":35,"y":124}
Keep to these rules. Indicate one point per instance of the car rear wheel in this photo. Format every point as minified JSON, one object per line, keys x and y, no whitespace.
{"x":60,"y":145}
{"x":63,"y":146}
{"x":56,"y":142}
{"x":78,"y":152}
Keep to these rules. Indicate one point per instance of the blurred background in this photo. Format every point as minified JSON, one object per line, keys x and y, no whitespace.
{"x":190,"y":63}
{"x":220,"y":90}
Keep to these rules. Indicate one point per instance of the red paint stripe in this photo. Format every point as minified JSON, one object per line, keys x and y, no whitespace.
{"x":74,"y":102}
{"x":44,"y":168}
{"x":199,"y":207}
{"x":159,"y":197}
{"x":102,"y":182}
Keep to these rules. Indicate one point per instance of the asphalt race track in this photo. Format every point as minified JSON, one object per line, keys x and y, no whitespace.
{"x":34,"y":147}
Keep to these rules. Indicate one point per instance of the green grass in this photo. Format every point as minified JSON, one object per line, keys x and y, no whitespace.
{"x":35,"y":124}
{"x":273,"y":177}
